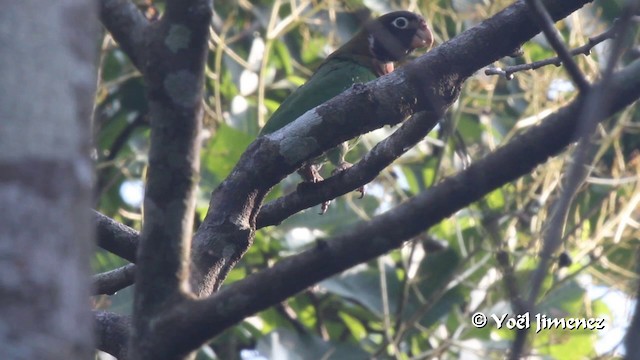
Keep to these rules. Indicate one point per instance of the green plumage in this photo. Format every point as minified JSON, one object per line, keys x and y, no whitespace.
{"x":332,"y":78}
{"x":368,"y":55}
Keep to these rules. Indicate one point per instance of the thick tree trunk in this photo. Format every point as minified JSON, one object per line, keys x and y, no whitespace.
{"x":47,"y":72}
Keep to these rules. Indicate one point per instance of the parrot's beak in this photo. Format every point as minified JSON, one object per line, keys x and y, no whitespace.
{"x":423,"y":37}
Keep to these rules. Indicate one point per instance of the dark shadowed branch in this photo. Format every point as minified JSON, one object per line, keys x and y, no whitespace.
{"x":115,"y":237}
{"x":204,"y":319}
{"x":171,"y":55}
{"x":447,"y":71}
{"x":546,"y":24}
{"x":174,"y":76}
{"x":128,"y":26}
{"x":112,"y":333}
{"x":112,"y":281}
{"x":431,"y":82}
{"x":585,"y":49}
{"x":363,"y":172}
{"x":596,"y":105}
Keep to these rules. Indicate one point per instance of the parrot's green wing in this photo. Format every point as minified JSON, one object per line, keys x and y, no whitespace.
{"x":369,"y":54}
{"x":332,"y":78}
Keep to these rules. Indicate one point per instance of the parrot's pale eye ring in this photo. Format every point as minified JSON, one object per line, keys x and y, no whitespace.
{"x":400,"y":22}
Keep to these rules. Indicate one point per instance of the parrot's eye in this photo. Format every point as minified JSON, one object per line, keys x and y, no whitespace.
{"x":400,"y":22}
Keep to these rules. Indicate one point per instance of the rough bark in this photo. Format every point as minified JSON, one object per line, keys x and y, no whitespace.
{"x":430,"y":83}
{"x":203,"y":319}
{"x":48,"y":69}
{"x":172,"y":61}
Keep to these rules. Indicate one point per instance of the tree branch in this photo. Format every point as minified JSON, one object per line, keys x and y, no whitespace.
{"x":115,"y":237}
{"x":121,"y":240}
{"x":174,"y":74}
{"x":431,"y":82}
{"x":112,"y":281}
{"x":546,"y":23}
{"x":128,"y":26}
{"x":597,"y":102}
{"x":206,"y":318}
{"x":228,"y":228}
{"x":363,"y":172}
{"x":581,"y":50}
{"x":112,"y":333}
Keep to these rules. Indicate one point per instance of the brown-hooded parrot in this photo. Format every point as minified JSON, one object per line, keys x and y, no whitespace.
{"x":368,"y":55}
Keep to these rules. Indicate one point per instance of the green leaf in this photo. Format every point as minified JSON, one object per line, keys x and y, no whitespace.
{"x":412,"y":180}
{"x":361,"y":284}
{"x":223,"y":152}
{"x":568,"y":298}
{"x":470,"y":128}
{"x":495,"y":199}
{"x":538,"y":52}
{"x":566,"y":344}
{"x":340,"y":214}
{"x":283,"y":56}
{"x":430,"y":296}
{"x":312,"y":50}
{"x":355,"y":326}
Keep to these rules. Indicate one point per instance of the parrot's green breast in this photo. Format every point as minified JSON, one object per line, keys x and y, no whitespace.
{"x":332,"y":78}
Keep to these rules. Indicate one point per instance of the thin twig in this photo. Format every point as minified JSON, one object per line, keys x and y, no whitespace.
{"x":557,"y":61}
{"x":596,"y":104}
{"x":506,"y":268}
{"x":291,"y":316}
{"x":321,"y":329}
{"x":546,"y":23}
{"x":124,"y":136}
{"x":384,"y":294}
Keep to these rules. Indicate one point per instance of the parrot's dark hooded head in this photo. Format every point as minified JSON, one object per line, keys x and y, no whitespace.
{"x":395,"y":35}
{"x":388,"y":38}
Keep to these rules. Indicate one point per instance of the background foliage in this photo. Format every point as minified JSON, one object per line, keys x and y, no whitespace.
{"x":415,"y":302}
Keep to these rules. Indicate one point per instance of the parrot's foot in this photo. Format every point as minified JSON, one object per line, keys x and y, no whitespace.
{"x":311,"y":175}
{"x":342,"y":167}
{"x":324,"y":207}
